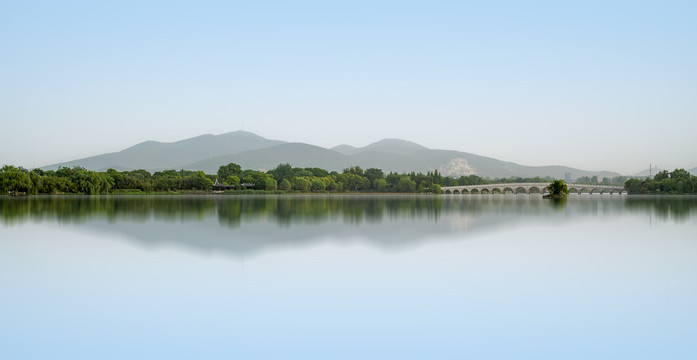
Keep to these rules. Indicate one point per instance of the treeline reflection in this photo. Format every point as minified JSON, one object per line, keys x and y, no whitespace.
{"x":231,"y":211}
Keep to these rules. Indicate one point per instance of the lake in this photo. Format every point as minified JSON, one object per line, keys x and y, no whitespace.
{"x":348,"y":277}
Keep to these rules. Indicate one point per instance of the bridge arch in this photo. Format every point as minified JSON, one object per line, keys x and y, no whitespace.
{"x":519,"y":189}
{"x":536,"y":188}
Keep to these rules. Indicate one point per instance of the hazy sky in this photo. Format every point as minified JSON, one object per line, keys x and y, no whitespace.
{"x":598,"y":85}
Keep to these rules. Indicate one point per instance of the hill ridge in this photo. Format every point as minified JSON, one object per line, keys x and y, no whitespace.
{"x":208,"y":152}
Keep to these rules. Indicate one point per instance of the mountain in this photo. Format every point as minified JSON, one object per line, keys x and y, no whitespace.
{"x":394,"y":146}
{"x":296,"y":154}
{"x":209,"y":152}
{"x":346,"y":149}
{"x":388,"y":146}
{"x":693,"y":171}
{"x":154,"y":156}
{"x":648,"y":172}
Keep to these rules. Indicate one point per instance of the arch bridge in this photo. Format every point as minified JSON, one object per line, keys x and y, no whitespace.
{"x":530,"y":188}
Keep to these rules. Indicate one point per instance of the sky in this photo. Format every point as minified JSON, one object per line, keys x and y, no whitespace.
{"x":596,"y":85}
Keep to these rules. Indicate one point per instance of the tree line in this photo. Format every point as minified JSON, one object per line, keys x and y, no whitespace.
{"x":676,"y":182}
{"x":285,"y":178}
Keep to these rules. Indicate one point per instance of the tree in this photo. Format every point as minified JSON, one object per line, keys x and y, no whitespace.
{"x":374,"y":174}
{"x":680,"y":175}
{"x":285,"y":185}
{"x":282,"y":172}
{"x":198,"y":181}
{"x":356,"y":170}
{"x":354,"y":181}
{"x":271,"y":184}
{"x":301,"y":184}
{"x":318,"y":185}
{"x":337,"y":186}
{"x":232,"y":180}
{"x":558,"y":189}
{"x":633,"y":186}
{"x":14,"y":179}
{"x":381,"y":185}
{"x":228,"y":170}
{"x":317,"y":172}
{"x":406,"y":184}
{"x":661,"y":175}
{"x":258,"y":178}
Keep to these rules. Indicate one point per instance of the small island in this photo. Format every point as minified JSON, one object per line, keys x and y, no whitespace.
{"x":557,"y":190}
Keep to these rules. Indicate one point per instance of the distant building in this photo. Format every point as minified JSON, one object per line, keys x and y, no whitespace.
{"x":567,"y":177}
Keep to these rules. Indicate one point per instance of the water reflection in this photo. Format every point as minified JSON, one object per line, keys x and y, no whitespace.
{"x":243,"y":224}
{"x":355,"y":210}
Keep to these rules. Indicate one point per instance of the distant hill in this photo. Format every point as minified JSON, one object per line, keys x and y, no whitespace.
{"x":297,"y":154}
{"x":693,"y":171}
{"x":646,"y":172}
{"x":209,"y":152}
{"x":346,"y":149}
{"x":394,"y":146}
{"x":154,"y":156}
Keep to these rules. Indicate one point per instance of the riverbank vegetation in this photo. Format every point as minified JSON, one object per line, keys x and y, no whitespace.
{"x":284,"y":179}
{"x":676,"y":182}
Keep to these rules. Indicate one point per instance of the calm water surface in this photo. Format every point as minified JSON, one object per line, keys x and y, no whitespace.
{"x":348,"y":277}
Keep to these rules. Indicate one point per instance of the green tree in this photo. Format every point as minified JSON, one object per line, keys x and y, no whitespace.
{"x":356,"y":170}
{"x":118,"y":178}
{"x":317,"y":172}
{"x":301,"y":184}
{"x":271,"y":184}
{"x":337,"y":186}
{"x":354,"y":182}
{"x":558,"y":189}
{"x":198,"y":181}
{"x":232,"y":180}
{"x":661,"y":175}
{"x":228,"y":170}
{"x":36,"y":182}
{"x":381,"y":185}
{"x":285,"y":185}
{"x":318,"y":185}
{"x":435,"y":188}
{"x":373,"y":174}
{"x":406,"y":185}
{"x":14,"y":179}
{"x":680,"y":175}
{"x":633,"y":186}
{"x":282,"y":172}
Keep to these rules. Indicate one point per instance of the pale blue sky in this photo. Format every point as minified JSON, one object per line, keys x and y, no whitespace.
{"x":593,"y":84}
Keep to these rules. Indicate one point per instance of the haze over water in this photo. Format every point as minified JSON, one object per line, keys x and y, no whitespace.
{"x":370,"y":277}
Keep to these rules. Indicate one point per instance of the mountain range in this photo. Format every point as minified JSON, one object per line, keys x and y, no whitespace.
{"x":251,"y":151}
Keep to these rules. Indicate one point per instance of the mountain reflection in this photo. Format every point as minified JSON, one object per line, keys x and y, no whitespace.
{"x":247,"y":224}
